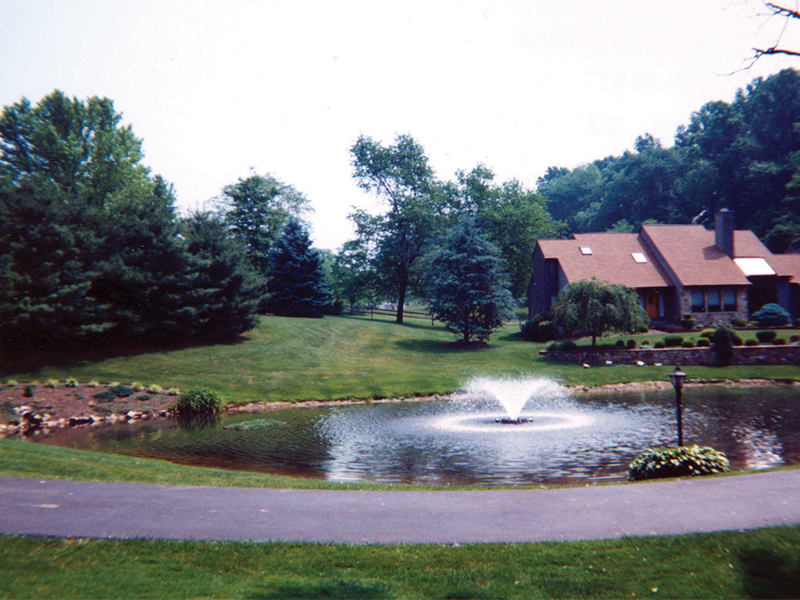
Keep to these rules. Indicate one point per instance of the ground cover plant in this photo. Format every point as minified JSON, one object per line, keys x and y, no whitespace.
{"x":758,"y":564}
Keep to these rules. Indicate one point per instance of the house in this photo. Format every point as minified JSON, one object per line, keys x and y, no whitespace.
{"x":716,"y":275}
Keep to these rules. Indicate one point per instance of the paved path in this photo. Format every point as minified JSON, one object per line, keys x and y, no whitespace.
{"x":120,"y":510}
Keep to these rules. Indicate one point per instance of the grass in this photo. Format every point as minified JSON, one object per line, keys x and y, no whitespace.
{"x":760,"y":564}
{"x":334,"y":358}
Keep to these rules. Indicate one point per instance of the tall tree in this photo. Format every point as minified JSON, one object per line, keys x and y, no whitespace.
{"x":401,"y":176}
{"x":592,"y":307}
{"x":353,"y":276}
{"x":468,"y":290}
{"x":256,"y":209}
{"x":76,"y":147}
{"x":297,"y":285}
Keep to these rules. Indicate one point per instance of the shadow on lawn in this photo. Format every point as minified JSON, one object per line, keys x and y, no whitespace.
{"x":770,"y":573}
{"x":82,"y":351}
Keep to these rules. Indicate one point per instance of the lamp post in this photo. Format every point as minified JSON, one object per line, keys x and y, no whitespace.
{"x":678,"y":379}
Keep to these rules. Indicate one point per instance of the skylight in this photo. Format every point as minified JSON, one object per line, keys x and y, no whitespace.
{"x":639,"y":257}
{"x":586,"y":250}
{"x":754,"y":266}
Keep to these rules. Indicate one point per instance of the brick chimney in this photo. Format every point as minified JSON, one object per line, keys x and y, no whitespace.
{"x":724,"y":224}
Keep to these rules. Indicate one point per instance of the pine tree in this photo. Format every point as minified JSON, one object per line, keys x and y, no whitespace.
{"x":297,"y":284}
{"x":468,"y":291}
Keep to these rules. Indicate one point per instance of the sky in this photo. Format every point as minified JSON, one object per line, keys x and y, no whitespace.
{"x":219,"y":89}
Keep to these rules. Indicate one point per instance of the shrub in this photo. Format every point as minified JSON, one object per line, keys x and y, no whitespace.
{"x":197,"y":402}
{"x":620,"y":343}
{"x":531,"y":329}
{"x":565,"y":345}
{"x":688,"y":344}
{"x":723,"y":345}
{"x":71,"y":382}
{"x":736,"y":339}
{"x":121,"y":391}
{"x":631,"y":344}
{"x":751,"y":342}
{"x":673,"y":341}
{"x":772,"y":315}
{"x":707,"y":333}
{"x":780,"y":342}
{"x":28,"y":393}
{"x":51,"y":383}
{"x":659,"y":344}
{"x":739,"y":322}
{"x":688,"y":321}
{"x":104,"y":396}
{"x":548,"y":330}
{"x":685,"y":461}
{"x":794,"y":338}
{"x":703,"y":342}
{"x":766,"y":337}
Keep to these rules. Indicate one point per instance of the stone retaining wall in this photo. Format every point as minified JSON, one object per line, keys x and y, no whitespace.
{"x":742,"y":355}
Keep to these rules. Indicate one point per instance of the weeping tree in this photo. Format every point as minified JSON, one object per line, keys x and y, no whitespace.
{"x":467,"y":288}
{"x":593,"y":307}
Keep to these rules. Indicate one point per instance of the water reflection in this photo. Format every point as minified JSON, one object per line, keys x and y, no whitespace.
{"x":587,"y":438}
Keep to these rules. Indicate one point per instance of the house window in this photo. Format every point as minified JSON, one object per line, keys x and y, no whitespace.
{"x":698,"y":301}
{"x":729,"y":300}
{"x":712,"y":300}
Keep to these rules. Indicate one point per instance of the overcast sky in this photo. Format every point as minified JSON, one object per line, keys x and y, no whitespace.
{"x":216,"y":88}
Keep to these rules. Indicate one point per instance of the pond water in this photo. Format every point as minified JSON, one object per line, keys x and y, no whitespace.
{"x":584,"y":438}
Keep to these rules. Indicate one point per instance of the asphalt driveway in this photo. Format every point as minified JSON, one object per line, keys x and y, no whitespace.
{"x":123,"y":510}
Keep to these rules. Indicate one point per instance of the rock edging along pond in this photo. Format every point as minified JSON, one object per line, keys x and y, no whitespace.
{"x":742,"y":355}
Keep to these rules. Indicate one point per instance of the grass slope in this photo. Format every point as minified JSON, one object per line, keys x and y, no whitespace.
{"x":333,"y":358}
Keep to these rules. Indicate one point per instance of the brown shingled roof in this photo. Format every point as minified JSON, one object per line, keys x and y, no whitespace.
{"x":692,"y":255}
{"x":611,"y":259}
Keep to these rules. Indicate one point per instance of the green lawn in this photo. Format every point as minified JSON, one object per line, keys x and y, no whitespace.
{"x":333,"y":358}
{"x":346,"y":357}
{"x":758,"y":564}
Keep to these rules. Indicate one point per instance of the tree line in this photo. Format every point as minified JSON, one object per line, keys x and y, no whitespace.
{"x":93,"y":247}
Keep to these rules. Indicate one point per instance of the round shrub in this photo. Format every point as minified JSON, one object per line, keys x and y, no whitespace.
{"x":688,"y":321}
{"x":751,"y":342}
{"x":529,"y":330}
{"x":739,"y":322}
{"x":685,"y":461}
{"x":736,"y":339}
{"x":780,"y":342}
{"x":547,"y":331}
{"x":688,"y":344}
{"x":659,"y":344}
{"x":772,"y":315}
{"x":631,"y":344}
{"x":707,"y":333}
{"x":766,"y":337}
{"x":703,"y":342}
{"x":620,"y":343}
{"x":794,"y":338}
{"x":673,"y":341}
{"x":198,"y":402}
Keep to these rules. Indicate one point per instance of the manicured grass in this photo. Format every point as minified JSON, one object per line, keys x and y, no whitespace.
{"x":348,"y":357}
{"x":758,"y":564}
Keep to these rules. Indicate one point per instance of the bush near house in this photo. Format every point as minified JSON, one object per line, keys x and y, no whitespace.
{"x":772,"y":315}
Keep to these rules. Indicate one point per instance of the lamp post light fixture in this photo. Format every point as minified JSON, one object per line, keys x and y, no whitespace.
{"x":678,"y":379}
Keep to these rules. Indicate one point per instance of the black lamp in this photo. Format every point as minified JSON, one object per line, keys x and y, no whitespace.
{"x":678,"y":379}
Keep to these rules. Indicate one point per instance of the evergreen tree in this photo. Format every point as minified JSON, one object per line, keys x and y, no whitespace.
{"x":297,"y":282}
{"x":467,"y":288}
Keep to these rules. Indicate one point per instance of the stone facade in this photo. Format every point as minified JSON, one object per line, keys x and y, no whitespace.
{"x":742,"y":355}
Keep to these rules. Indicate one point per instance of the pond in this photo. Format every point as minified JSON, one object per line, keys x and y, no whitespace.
{"x":560,"y":439}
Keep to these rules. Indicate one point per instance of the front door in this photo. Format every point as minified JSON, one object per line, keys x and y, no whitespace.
{"x":651,"y":303}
